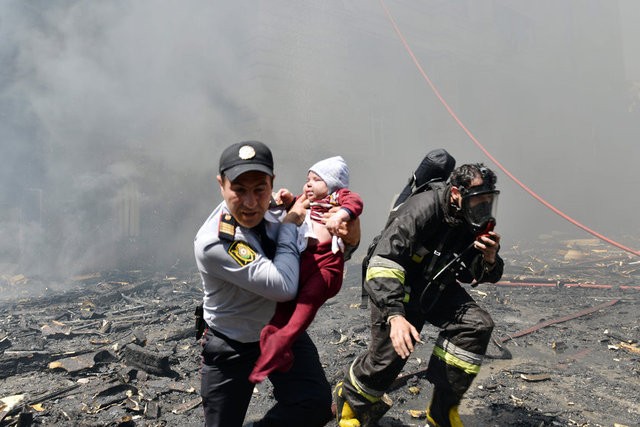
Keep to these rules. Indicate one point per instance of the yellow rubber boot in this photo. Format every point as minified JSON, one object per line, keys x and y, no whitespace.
{"x":344,"y":413}
{"x":454,"y":419}
{"x":347,"y":418}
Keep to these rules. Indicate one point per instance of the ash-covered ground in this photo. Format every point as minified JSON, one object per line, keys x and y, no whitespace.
{"x":117,"y":348}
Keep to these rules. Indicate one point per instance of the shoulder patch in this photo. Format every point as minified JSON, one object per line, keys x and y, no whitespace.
{"x":241,"y":253}
{"x":227,"y":227}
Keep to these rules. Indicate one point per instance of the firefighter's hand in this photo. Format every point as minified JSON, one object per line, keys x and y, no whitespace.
{"x":488,"y":244}
{"x":402,"y":335}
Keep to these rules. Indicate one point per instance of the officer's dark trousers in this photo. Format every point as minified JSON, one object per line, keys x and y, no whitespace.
{"x":463,"y":339}
{"x":303,"y":394}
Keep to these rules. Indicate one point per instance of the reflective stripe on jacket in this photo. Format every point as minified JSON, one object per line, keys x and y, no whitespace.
{"x":396,"y":274}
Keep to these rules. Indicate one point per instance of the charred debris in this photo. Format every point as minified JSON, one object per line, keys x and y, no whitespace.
{"x":118,"y":348}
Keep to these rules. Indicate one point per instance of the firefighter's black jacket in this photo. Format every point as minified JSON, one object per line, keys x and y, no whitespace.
{"x":399,"y":267}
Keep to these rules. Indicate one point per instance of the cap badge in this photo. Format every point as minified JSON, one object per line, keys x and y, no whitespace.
{"x":246,"y":152}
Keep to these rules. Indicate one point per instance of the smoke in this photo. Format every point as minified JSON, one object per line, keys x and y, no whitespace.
{"x":101,"y":97}
{"x":113,"y":114}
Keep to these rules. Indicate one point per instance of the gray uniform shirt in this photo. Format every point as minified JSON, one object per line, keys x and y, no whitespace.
{"x":241,"y":285}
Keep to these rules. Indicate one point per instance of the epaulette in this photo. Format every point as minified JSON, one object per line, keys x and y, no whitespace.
{"x":227,"y":227}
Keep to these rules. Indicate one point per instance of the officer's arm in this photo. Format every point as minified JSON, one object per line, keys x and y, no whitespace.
{"x":238,"y":264}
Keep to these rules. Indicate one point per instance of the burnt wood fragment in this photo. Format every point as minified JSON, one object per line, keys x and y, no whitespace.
{"x":152,"y":410}
{"x":27,"y":361}
{"x":150,"y":361}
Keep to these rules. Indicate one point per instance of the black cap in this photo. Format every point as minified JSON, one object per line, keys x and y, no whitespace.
{"x":244,"y":157}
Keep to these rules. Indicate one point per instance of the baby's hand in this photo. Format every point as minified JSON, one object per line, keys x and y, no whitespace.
{"x":298,"y":211}
{"x":284,"y":197}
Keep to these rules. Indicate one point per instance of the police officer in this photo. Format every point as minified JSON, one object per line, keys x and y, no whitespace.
{"x":432,"y":241}
{"x":248,"y":259}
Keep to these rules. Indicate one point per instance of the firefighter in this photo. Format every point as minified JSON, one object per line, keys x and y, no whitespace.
{"x":431,"y":242}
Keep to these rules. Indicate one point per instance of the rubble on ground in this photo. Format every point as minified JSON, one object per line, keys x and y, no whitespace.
{"x":118,"y":348}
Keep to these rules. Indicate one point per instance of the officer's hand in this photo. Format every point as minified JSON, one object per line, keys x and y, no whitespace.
{"x":488,"y":244}
{"x":333,"y":224}
{"x":402,"y":333}
{"x":349,"y":231}
{"x":297,"y":211}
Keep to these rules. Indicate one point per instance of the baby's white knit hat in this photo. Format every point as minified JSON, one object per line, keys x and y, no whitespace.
{"x":333,"y":171}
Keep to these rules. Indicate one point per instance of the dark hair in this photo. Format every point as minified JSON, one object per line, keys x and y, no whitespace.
{"x":462,"y":176}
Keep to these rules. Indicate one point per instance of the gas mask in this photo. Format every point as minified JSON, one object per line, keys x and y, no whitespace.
{"x":480,"y":204}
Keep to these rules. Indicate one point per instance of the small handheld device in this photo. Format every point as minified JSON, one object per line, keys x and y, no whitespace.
{"x":489,"y":226}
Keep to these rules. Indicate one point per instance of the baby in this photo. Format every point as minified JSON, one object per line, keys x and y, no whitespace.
{"x":321,"y":263}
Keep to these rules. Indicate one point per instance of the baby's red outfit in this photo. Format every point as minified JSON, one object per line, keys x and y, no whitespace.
{"x":321,"y":273}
